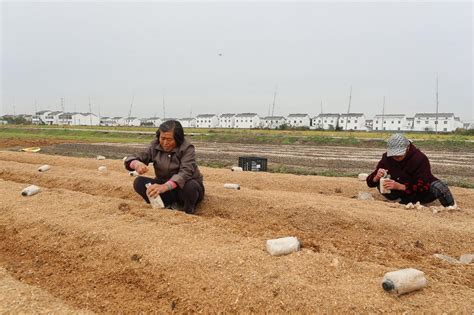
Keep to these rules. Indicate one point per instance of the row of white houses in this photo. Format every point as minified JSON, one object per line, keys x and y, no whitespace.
{"x":443,"y":122}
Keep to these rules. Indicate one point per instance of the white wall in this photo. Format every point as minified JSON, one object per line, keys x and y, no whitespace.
{"x":299,"y":121}
{"x":247,"y":122}
{"x":353,"y":123}
{"x":188,"y":123}
{"x":325,"y":122}
{"x":207,"y":122}
{"x":272,"y":123}
{"x":391,"y":124}
{"x":227,"y":122}
{"x":445,"y":123}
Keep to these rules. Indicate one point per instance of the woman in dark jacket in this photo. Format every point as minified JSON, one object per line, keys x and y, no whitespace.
{"x":178,"y":180}
{"x":411,"y":179}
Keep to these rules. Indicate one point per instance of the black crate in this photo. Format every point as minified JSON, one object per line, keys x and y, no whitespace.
{"x":253,"y":163}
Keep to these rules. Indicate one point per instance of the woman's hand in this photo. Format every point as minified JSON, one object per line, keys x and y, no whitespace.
{"x":380,"y":173}
{"x":141,"y":168}
{"x":155,"y":189}
{"x":393,"y":185}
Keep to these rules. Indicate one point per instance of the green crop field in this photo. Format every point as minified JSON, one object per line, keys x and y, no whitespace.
{"x":455,"y":142}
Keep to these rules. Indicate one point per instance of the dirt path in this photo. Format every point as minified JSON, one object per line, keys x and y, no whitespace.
{"x":90,"y":242}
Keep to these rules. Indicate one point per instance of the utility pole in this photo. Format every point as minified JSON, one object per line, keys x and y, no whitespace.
{"x":274,"y":97}
{"x":130,"y":110}
{"x":437,"y":105}
{"x":99,"y":113}
{"x":90,"y":111}
{"x":383,"y":113}
{"x":164,"y":109}
{"x":36,"y":106}
{"x":349,"y":107}
{"x":74,"y":114}
{"x":322,"y":106}
{"x":62,"y":104}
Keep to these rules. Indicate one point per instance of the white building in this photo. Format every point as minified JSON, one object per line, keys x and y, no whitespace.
{"x":207,"y":121}
{"x":352,"y":121}
{"x":468,"y":125}
{"x":272,"y":122}
{"x":188,"y":122}
{"x":107,"y":121}
{"x":247,"y":121}
{"x":132,"y":121}
{"x":52,"y":118}
{"x":325,"y":121}
{"x":86,"y":119}
{"x":227,"y":121}
{"x":391,"y":122}
{"x":298,"y":120}
{"x":446,"y":122}
{"x":40,"y":117}
{"x":369,"y":124}
{"x":410,"y":123}
{"x":66,"y":119}
{"x":117,"y":121}
{"x":151,"y":122}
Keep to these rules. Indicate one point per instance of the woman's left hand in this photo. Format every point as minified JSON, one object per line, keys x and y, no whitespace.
{"x":156,"y":189}
{"x":393,"y":185}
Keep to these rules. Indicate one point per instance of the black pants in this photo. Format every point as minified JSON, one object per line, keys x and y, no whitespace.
{"x":186,"y":198}
{"x":438,"y":190}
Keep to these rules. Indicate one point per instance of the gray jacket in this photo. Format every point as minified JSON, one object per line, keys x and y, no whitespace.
{"x":179,"y":165}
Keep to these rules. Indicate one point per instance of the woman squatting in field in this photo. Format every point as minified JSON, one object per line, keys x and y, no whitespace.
{"x":411,"y":179}
{"x":178,"y":180}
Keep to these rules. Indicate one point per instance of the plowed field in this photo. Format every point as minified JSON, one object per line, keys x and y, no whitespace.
{"x":88,"y":243}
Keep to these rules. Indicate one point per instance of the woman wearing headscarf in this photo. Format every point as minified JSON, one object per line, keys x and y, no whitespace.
{"x":410,"y":178}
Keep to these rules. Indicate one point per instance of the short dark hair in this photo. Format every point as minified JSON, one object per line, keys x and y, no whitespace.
{"x":175,"y":126}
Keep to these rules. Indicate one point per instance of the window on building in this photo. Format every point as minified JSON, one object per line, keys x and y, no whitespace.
{"x":392,"y":122}
{"x":355,"y":121}
{"x":355,"y":127}
{"x":445,"y":129}
{"x":445,"y":122}
{"x":418,"y":122}
{"x":398,"y":128}
{"x":426,"y":122}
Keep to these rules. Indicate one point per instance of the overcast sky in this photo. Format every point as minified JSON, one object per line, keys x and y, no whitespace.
{"x":206,"y":57}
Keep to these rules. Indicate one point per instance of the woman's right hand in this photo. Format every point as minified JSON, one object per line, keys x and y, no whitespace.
{"x":141,"y":168}
{"x":380,"y":173}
